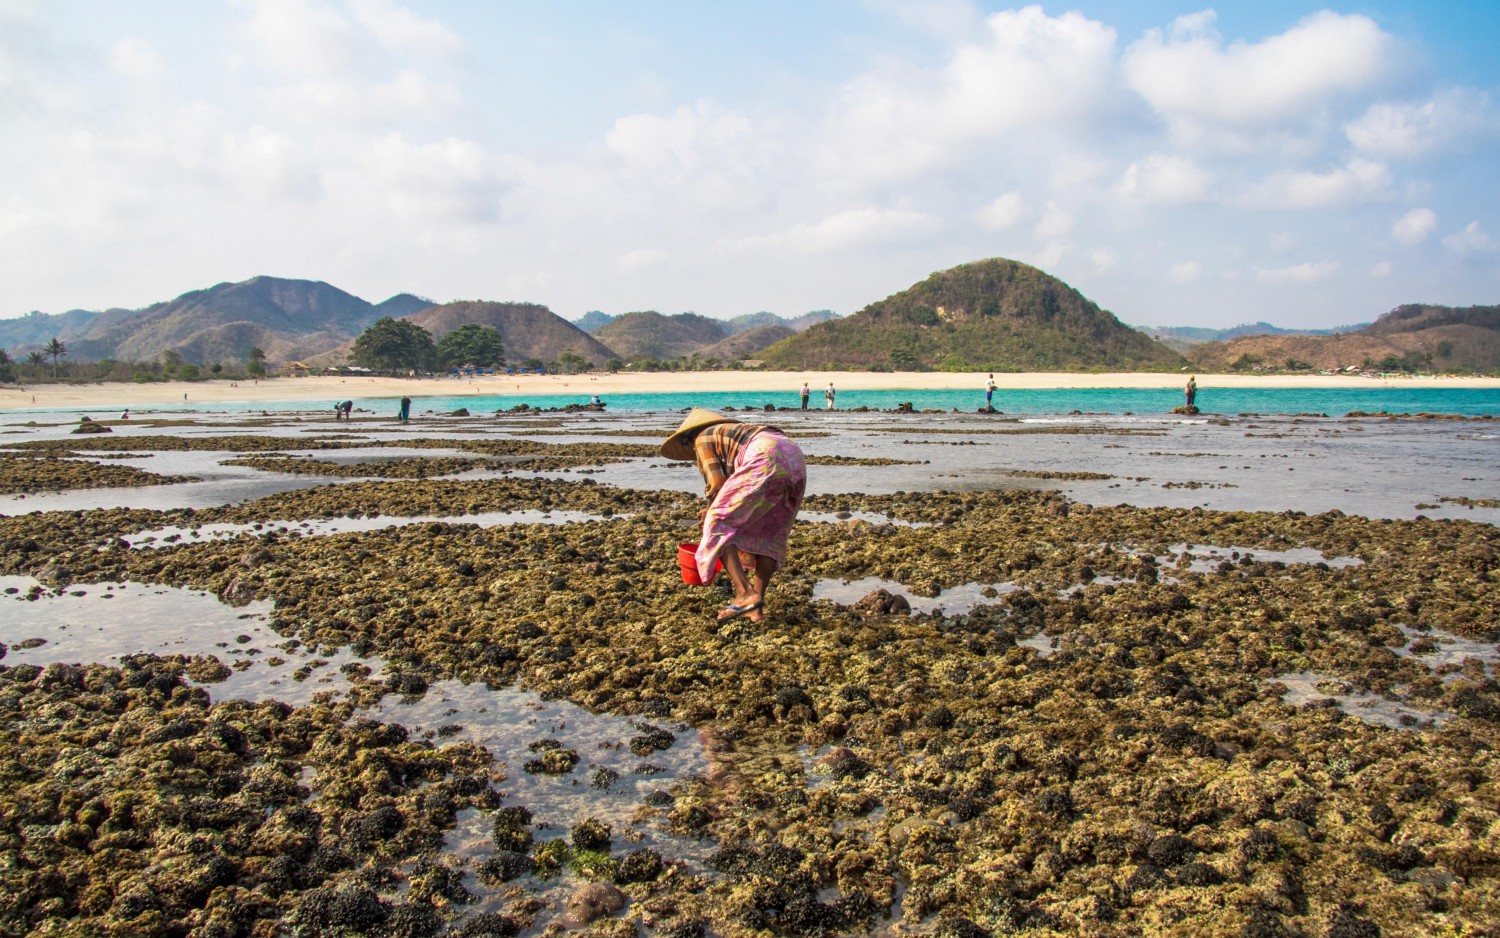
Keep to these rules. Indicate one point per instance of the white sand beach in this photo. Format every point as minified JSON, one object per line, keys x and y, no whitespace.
{"x":333,"y":388}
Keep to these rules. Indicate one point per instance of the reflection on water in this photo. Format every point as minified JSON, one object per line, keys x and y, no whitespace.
{"x":168,"y":536}
{"x":1375,"y":468}
{"x":610,"y":782}
{"x":871,"y":517}
{"x":1440,"y":650}
{"x":955,"y":600}
{"x":624,"y":766}
{"x":1309,"y":687}
{"x":1208,"y":559}
{"x":105,"y":622}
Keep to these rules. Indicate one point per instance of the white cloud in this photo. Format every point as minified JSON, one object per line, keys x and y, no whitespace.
{"x":301,"y":38}
{"x":1414,"y":226}
{"x":325,"y":102}
{"x":136,"y":60}
{"x":1185,"y":272}
{"x":640,"y":259}
{"x":403,"y":31}
{"x":1360,"y":180}
{"x":1071,"y":171}
{"x":1054,"y":223}
{"x":1300,"y":273}
{"x":1472,"y":240}
{"x":1190,"y":74}
{"x":268,"y":164}
{"x":1413,"y":129}
{"x":851,"y":229}
{"x":1050,"y":256}
{"x":1382,"y":270}
{"x":1023,"y":69}
{"x":450,"y":181}
{"x":1162,"y":178}
{"x":1005,"y":212}
{"x":1105,"y":260}
{"x":668,"y":148}
{"x":25,"y":58}
{"x":954,"y":20}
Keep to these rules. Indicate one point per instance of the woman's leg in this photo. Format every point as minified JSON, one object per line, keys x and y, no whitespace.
{"x":736,"y":570}
{"x":746,"y":592}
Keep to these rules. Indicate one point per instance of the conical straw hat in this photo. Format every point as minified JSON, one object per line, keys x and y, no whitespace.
{"x":677,"y":446}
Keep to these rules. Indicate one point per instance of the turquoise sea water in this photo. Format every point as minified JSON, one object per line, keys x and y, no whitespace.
{"x":1397,"y":399}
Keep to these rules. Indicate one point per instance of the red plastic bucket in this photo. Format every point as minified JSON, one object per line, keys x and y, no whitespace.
{"x":687,"y":558}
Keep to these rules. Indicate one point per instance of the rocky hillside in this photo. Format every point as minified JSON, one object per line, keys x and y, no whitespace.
{"x":992,"y":315}
{"x":287,"y":319}
{"x":529,"y":330}
{"x":645,"y":335}
{"x":1408,"y":338}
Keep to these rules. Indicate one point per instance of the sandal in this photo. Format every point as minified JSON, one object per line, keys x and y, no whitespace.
{"x":732,"y":611}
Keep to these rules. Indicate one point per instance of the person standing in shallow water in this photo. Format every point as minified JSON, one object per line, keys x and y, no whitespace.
{"x":805,"y":395}
{"x":405,"y":409}
{"x":1191,"y":391}
{"x":829,"y":394}
{"x":989,"y":392}
{"x":755,"y":479}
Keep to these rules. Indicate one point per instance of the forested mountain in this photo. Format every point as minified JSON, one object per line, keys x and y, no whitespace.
{"x":992,"y":315}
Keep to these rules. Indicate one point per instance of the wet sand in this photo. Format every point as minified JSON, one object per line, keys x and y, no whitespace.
{"x":322,"y":389}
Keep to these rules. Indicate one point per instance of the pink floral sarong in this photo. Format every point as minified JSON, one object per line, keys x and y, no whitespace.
{"x":755,"y":509}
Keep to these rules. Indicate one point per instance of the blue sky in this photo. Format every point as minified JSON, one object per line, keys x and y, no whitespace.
{"x":1179,"y":164}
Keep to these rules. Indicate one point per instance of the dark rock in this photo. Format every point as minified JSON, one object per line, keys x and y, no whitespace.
{"x":639,"y":866}
{"x":591,"y":834}
{"x":882,"y":602}
{"x":505,"y":866}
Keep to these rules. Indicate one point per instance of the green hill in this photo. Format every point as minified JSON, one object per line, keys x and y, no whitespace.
{"x":991,"y":315}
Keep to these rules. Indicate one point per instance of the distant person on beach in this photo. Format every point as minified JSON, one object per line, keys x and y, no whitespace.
{"x":341,"y":409}
{"x":1191,"y":390}
{"x":405,"y":409}
{"x":989,"y":392}
{"x":755,"y":479}
{"x":829,"y":395}
{"x":805,"y":394}
{"x":126,"y":414}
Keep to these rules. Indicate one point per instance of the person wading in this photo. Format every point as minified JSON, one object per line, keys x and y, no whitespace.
{"x":755,"y":479}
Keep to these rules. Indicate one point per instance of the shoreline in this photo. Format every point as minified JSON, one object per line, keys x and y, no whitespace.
{"x":331,"y":388}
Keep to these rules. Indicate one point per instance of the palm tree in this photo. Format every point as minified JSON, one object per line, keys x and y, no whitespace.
{"x":56,"y":349}
{"x":36,"y":358}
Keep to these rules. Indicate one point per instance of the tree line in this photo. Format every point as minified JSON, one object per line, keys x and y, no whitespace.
{"x":50,"y":364}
